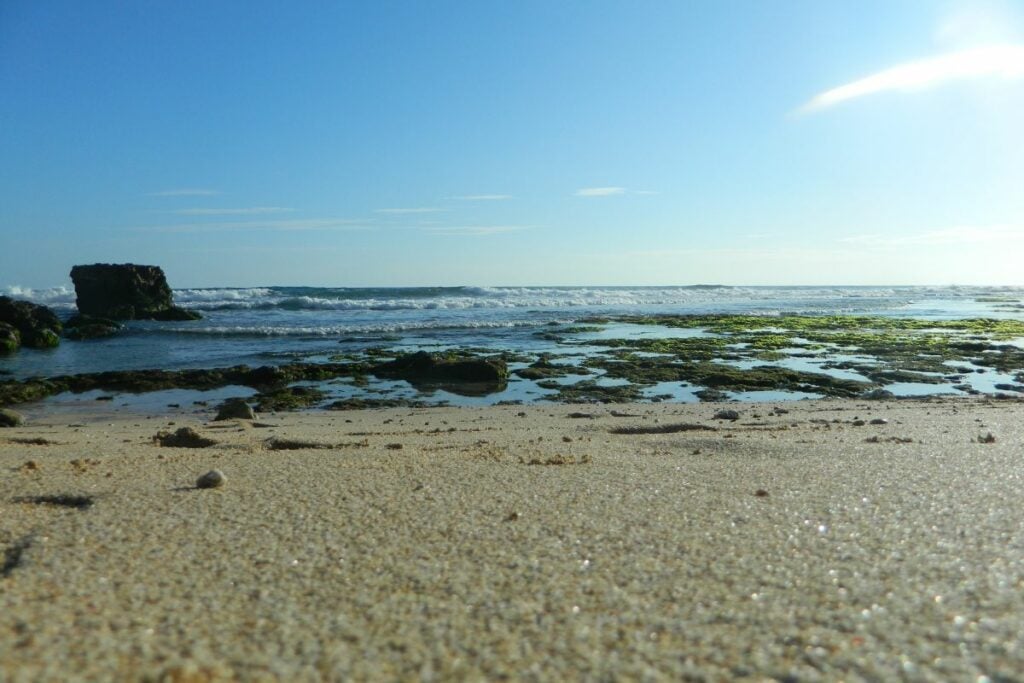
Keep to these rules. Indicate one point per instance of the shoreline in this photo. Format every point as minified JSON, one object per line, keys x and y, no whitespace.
{"x":603,"y":541}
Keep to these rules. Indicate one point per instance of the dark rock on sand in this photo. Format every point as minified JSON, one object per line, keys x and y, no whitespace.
{"x":37,"y":326}
{"x":185,"y":437}
{"x":235,"y":409}
{"x":80,"y":327}
{"x":9,"y":418}
{"x":126,"y":292}
{"x":727,"y":415}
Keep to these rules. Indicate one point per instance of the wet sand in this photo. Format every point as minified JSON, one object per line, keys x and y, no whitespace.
{"x":527,"y":543}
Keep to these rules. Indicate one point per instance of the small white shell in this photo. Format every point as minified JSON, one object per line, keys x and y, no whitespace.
{"x":211,"y":480}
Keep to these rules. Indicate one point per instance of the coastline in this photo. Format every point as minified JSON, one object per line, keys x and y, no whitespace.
{"x":520,"y":541}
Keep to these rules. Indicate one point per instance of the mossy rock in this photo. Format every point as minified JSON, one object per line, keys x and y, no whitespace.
{"x":42,"y":339}
{"x":10,"y":338}
{"x":81,"y":327}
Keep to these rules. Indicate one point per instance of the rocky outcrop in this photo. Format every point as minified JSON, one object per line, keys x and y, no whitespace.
{"x":37,"y":326}
{"x":9,"y":418}
{"x":464,"y":376}
{"x":81,"y":327}
{"x":126,"y":292}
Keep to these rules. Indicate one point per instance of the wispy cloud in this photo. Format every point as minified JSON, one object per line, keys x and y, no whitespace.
{"x":247,"y":211}
{"x":474,"y":230}
{"x":1005,"y":61}
{"x":483,"y":197}
{"x":961,"y":235}
{"x":600,"y":191}
{"x":325,"y":224}
{"x":185,"y":192}
{"x":414,"y":209}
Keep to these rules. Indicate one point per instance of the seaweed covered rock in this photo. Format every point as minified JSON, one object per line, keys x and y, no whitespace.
{"x":81,"y":327}
{"x":471,"y":376}
{"x":126,"y":292}
{"x":10,"y":338}
{"x":38,"y":327}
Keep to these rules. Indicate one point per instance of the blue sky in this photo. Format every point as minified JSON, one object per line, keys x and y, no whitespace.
{"x":486,"y":143}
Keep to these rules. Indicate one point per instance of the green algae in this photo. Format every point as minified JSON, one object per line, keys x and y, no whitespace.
{"x":289,"y":398}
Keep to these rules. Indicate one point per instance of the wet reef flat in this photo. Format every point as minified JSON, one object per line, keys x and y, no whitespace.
{"x":682,"y":358}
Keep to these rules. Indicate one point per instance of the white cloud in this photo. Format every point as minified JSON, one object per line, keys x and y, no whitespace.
{"x":474,"y":230}
{"x":960,"y":235}
{"x":279,"y":226}
{"x":600,"y":191}
{"x":185,"y":192}
{"x":247,"y":211}
{"x":1005,"y":61}
{"x":415,"y":209}
{"x":483,"y":197}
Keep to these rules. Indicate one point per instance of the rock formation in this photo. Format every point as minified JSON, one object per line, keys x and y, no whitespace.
{"x":29,"y":324}
{"x":126,"y":292}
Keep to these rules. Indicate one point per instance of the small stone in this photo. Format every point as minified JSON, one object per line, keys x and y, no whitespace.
{"x":9,"y":418}
{"x":727,"y":415}
{"x":988,"y":438}
{"x":879,"y":421}
{"x":859,"y":423}
{"x":234,"y":409}
{"x":211,"y":480}
{"x":761,"y":493}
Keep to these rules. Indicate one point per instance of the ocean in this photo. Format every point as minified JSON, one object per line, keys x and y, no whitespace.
{"x":273,"y":325}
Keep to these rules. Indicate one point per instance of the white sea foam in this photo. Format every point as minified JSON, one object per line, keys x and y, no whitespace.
{"x":54,"y":297}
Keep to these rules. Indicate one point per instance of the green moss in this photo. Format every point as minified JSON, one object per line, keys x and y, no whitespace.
{"x":589,"y":391}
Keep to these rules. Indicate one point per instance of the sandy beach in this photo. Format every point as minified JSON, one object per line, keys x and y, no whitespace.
{"x":813,"y":540}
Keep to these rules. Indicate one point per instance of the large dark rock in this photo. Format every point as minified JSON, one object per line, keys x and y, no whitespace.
{"x":465,"y":376}
{"x":126,"y":292}
{"x":38,"y":326}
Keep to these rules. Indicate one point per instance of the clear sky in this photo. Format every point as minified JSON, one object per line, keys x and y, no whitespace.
{"x":507,"y":143}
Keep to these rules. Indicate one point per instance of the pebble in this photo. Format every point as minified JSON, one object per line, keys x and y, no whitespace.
{"x":879,"y":421}
{"x":727,"y":415}
{"x":211,"y":480}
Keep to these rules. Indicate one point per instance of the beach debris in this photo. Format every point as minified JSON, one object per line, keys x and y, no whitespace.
{"x":988,"y":438}
{"x":275,"y":443}
{"x":67,"y":500}
{"x":663,"y":429}
{"x":211,"y":480}
{"x":13,"y":554}
{"x":29,"y":466}
{"x":727,"y":414}
{"x":891,"y":439}
{"x":185,"y":437}
{"x":581,"y":416}
{"x":234,"y":409}
{"x":557,"y":460}
{"x":761,"y":493}
{"x":511,"y":517}
{"x":33,"y":441}
{"x":858,"y":423}
{"x":9,"y":418}
{"x":394,"y":446}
